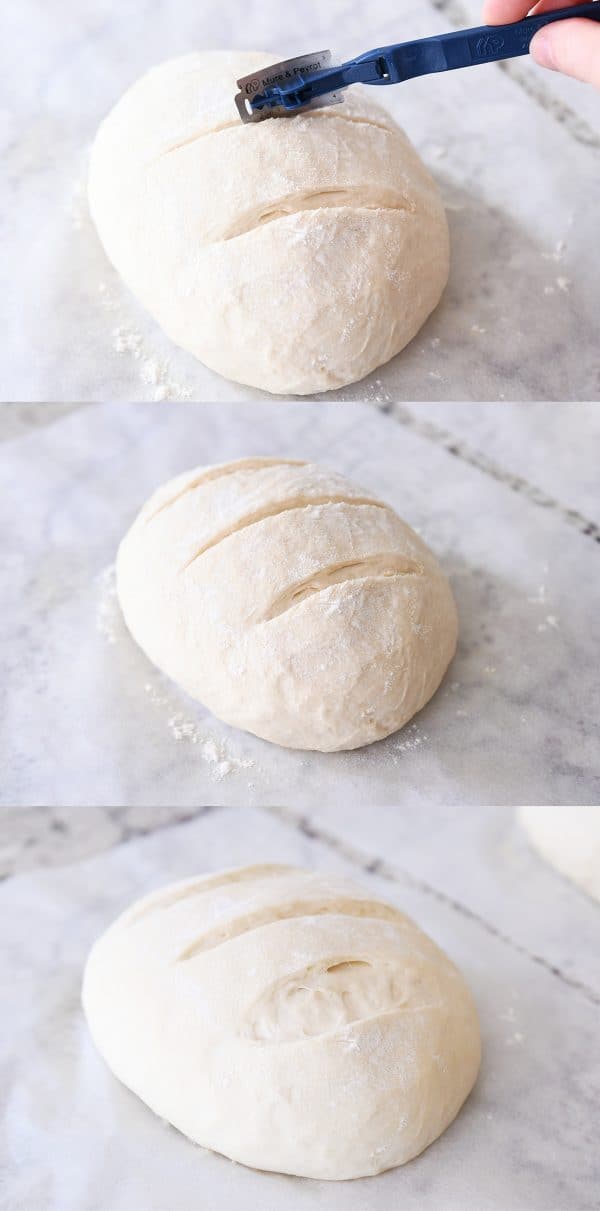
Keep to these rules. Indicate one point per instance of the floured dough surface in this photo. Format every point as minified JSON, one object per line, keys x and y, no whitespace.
{"x":569,"y":839}
{"x":286,"y":1019}
{"x":293,"y":255}
{"x":291,"y":602}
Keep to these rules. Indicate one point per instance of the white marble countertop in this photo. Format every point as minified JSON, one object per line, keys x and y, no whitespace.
{"x":516,"y":151}
{"x":87,"y":718}
{"x":74,"y":1139}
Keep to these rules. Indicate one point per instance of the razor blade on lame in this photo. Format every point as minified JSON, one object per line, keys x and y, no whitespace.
{"x":279,"y":77}
{"x":312,"y":81}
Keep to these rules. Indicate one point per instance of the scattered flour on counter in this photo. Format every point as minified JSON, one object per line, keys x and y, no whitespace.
{"x":410,"y":738}
{"x":77,"y":207}
{"x":214,"y":750}
{"x":107,"y":298}
{"x":153,"y":373}
{"x":377,"y":393}
{"x":109,"y":620}
{"x":560,"y":283}
{"x":125,"y":341}
{"x":550,"y":622}
{"x":509,"y":1015}
{"x":515,"y":1039}
{"x":558,"y":252}
{"x":130,"y":342}
{"x":540,"y":599}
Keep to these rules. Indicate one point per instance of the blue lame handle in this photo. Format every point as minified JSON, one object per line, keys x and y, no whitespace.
{"x":467,"y":48}
{"x":446,"y":52}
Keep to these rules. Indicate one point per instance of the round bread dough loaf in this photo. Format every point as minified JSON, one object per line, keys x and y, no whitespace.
{"x":285,"y":1019}
{"x":294,"y":255}
{"x":569,"y":839}
{"x":288,"y":601}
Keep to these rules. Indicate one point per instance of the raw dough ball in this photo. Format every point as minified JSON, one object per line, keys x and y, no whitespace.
{"x":294,"y":255}
{"x":569,"y":839}
{"x":285,"y":1019}
{"x":288,"y":601}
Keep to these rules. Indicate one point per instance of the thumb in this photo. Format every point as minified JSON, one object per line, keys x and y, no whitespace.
{"x":572,"y":47}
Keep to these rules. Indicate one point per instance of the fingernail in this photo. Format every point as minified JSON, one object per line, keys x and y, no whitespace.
{"x":542,"y":49}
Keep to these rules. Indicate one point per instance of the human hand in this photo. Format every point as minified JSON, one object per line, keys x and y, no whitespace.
{"x":572,"y":47}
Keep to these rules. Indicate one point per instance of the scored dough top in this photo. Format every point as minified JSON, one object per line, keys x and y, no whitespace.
{"x":201,"y":89}
{"x":291,"y":254}
{"x":184,"y":101}
{"x":286,"y":1018}
{"x":305,"y":942}
{"x":288,"y":600}
{"x":179,"y":123}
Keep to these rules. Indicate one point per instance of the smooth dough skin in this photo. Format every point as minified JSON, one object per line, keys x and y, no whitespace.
{"x":569,"y":839}
{"x":295,"y":255}
{"x":285,"y":1019}
{"x":290,"y":602}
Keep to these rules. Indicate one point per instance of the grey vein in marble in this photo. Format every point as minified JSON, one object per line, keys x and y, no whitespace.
{"x":553,"y":449}
{"x":32,"y":837}
{"x":420,"y":422}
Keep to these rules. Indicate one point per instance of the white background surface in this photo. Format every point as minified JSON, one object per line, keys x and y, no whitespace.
{"x":73,"y":1139}
{"x":516,"y":151}
{"x":88,"y":720}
